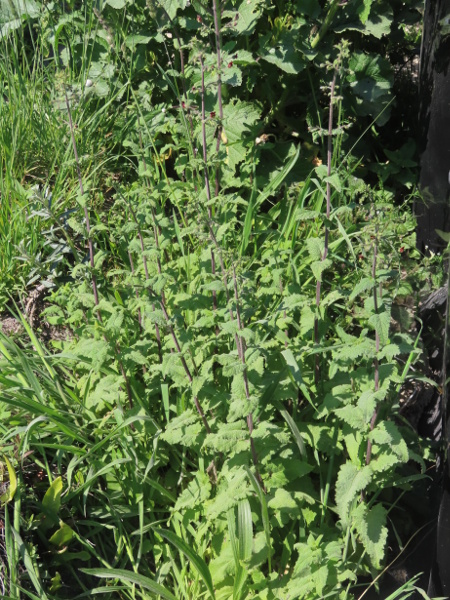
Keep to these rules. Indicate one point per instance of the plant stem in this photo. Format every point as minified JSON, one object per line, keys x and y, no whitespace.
{"x":216,"y":16}
{"x":245,"y":376}
{"x":377,"y":345}
{"x":207,"y":186}
{"x":326,"y":23}
{"x":91,"y":250}
{"x":328,"y":211}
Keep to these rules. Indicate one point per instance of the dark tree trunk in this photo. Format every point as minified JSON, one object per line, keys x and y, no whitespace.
{"x":434,"y":127}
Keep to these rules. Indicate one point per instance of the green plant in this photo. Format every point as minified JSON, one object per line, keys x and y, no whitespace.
{"x":222,"y":421}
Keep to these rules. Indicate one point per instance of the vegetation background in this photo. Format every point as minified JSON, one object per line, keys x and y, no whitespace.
{"x":215,"y":199}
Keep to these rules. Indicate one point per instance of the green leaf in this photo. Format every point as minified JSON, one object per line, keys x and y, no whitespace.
{"x":116,"y":4}
{"x":350,"y":482}
{"x":133,"y":578}
{"x":52,"y":499}
{"x":197,"y":562}
{"x":264,"y":512}
{"x":364,"y":11}
{"x":12,"y":483}
{"x":284,"y":52}
{"x":31,"y":571}
{"x":319,"y":266}
{"x":62,"y":536}
{"x":381,"y":322}
{"x":387,"y":433}
{"x":371,"y":527}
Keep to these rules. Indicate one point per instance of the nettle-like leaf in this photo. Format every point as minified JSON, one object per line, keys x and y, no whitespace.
{"x":371,"y":80}
{"x":381,"y":322}
{"x":362,"y":286}
{"x":319,"y":266}
{"x":245,"y":19}
{"x":238,"y":116}
{"x":370,"y":523}
{"x":185,"y":430}
{"x":107,"y":392}
{"x":228,"y":438}
{"x":196,"y":494}
{"x":350,"y":483}
{"x":284,"y":507}
{"x":232,"y":486}
{"x":387,"y":433}
{"x":95,"y":352}
{"x":283,"y":52}
{"x":354,"y":417}
{"x":315,"y":248}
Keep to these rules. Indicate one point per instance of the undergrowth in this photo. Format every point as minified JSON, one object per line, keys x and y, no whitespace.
{"x":192,"y":184}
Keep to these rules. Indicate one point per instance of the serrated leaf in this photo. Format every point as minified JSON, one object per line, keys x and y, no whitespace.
{"x":315,"y":248}
{"x":387,"y":433}
{"x":353,"y":416}
{"x":362,"y":286}
{"x":227,"y":436}
{"x":197,"y":492}
{"x":371,"y":527}
{"x":284,"y":53}
{"x":184,"y":430}
{"x":319,"y":266}
{"x":381,"y":322}
{"x":350,"y":483}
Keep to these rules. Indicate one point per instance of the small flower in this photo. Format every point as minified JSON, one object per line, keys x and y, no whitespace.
{"x":199,"y":19}
{"x":230,"y":64}
{"x":402,"y":249}
{"x":89,"y":83}
{"x":212,"y":114}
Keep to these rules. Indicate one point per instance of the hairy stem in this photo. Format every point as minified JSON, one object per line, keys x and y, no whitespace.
{"x":91,"y":250}
{"x":216,"y":16}
{"x":328,"y":211}
{"x":377,"y":346}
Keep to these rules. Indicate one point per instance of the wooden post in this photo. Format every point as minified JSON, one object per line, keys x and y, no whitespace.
{"x":434,"y":127}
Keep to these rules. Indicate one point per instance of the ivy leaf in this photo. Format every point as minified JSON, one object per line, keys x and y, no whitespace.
{"x":371,"y":527}
{"x":350,"y":482}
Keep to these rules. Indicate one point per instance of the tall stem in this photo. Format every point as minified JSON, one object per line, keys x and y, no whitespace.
{"x":216,"y":16}
{"x":377,"y":345}
{"x":328,"y":211}
{"x":91,"y":250}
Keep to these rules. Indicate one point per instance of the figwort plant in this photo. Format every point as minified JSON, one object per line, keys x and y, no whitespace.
{"x":219,"y":418}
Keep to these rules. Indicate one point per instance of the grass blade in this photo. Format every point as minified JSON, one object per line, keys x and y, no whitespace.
{"x":264,"y":513}
{"x":196,"y":560}
{"x":134,"y":578}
